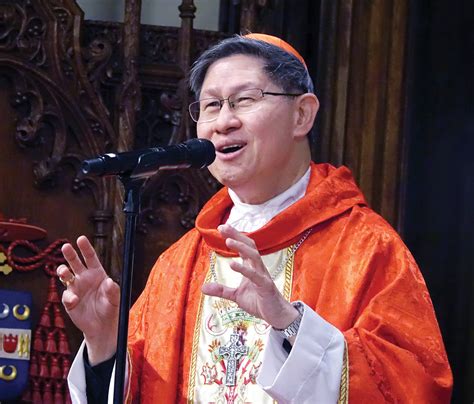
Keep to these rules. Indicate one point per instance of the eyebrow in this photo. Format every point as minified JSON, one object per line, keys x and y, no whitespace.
{"x":213,"y":91}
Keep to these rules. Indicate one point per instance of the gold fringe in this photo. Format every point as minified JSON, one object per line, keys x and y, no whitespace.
{"x":288,"y":276}
{"x":344,"y":388}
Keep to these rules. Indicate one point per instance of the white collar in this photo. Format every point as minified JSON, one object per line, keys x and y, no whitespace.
{"x":247,"y":218}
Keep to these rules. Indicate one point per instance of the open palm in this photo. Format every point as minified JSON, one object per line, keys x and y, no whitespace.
{"x":92,"y":298}
{"x":257,"y":294}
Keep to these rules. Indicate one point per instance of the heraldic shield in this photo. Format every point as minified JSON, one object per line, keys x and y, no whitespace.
{"x":15,"y":342}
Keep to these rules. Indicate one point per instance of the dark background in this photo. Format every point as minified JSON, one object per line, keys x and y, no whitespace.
{"x":439,"y":222}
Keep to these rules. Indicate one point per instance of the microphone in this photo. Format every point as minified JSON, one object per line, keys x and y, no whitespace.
{"x":195,"y":153}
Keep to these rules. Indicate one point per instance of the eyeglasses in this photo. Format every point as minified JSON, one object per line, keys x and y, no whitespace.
{"x":243,"y":102}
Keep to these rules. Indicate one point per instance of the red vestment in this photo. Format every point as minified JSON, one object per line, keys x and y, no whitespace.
{"x":353,"y":270}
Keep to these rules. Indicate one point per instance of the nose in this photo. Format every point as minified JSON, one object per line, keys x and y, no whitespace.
{"x":227,"y":120}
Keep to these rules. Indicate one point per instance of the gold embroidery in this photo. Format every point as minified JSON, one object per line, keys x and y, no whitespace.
{"x":288,"y":278}
{"x":211,"y":370}
{"x":128,"y":396}
{"x":344,"y":388}
{"x":197,"y":329}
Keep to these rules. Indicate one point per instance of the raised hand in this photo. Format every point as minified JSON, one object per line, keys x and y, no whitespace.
{"x":91,"y":299}
{"x":257,"y":294}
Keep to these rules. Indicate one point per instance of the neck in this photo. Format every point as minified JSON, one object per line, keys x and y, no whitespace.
{"x":256,"y":194}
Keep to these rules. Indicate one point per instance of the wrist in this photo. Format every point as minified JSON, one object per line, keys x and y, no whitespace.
{"x":290,"y":331}
{"x":100,"y":349}
{"x":287,"y":316}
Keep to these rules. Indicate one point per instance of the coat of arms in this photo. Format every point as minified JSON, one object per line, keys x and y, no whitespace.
{"x":15,"y":342}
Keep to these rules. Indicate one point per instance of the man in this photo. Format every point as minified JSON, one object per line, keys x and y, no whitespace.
{"x":215,"y":322}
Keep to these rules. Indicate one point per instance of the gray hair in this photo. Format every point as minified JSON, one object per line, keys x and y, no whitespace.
{"x":283,"y":68}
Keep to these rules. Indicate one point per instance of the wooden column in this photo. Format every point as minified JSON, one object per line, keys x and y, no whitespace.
{"x":361,"y":86}
{"x":129,"y":101}
{"x":187,"y":11}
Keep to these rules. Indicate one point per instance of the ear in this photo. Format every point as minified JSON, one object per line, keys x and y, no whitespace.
{"x":305,"y":113}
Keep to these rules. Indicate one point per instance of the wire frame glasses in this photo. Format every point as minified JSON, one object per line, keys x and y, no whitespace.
{"x":243,"y":102}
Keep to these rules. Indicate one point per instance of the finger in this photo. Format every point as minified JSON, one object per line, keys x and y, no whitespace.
{"x":70,"y":300}
{"x":70,"y":255}
{"x":245,"y":251}
{"x":219,"y":290}
{"x":259,"y":278}
{"x":65,"y":275}
{"x":227,"y":231}
{"x":112,"y":291}
{"x":88,"y":252}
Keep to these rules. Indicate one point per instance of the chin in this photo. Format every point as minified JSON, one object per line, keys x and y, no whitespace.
{"x":230,"y":180}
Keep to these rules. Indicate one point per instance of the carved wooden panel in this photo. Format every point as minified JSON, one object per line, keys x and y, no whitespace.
{"x":59,"y":116}
{"x":361,"y":79}
{"x":76,"y":92}
{"x":70,"y":90}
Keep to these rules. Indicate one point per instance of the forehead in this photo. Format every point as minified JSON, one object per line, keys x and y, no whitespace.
{"x":234,"y":73}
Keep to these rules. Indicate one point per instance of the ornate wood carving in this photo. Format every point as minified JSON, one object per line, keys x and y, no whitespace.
{"x":164,"y":120}
{"x":101,"y":55}
{"x":60,"y":113}
{"x":203,"y":39}
{"x":188,"y":190}
{"x":23,"y":32}
{"x":250,"y":14}
{"x":158,"y":45}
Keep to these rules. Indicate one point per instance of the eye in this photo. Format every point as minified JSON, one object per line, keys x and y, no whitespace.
{"x":244,"y":100}
{"x":210,"y":105}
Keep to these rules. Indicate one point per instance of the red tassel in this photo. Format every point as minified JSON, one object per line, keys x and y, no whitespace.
{"x":63,"y":343}
{"x":36,"y":392}
{"x":55,"y":370}
{"x":48,"y":393}
{"x":33,"y":365}
{"x":52,"y":291}
{"x":58,"y":392}
{"x":45,"y":319}
{"x":38,"y":343}
{"x":44,"y":371}
{"x":26,"y":396}
{"x":51,"y":343}
{"x":66,"y":367}
{"x":58,"y":318}
{"x":67,"y":397}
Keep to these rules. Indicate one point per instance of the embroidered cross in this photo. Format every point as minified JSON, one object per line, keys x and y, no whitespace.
{"x":232,"y":352}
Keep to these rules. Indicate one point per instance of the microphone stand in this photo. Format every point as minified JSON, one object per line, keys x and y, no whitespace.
{"x":133,"y":169}
{"x":131,"y":207}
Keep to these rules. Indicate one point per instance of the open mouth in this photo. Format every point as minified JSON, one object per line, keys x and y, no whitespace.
{"x":232,"y":148}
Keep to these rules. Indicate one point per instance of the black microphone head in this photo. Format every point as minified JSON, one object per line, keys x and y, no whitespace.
{"x":201,"y":152}
{"x":93,"y":166}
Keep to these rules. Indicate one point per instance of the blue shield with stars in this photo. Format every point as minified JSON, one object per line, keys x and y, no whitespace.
{"x":15,"y":342}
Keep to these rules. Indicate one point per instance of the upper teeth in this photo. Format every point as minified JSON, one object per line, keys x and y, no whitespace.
{"x":230,"y":146}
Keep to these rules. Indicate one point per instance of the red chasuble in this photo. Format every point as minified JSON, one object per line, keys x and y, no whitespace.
{"x":353,"y":270}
